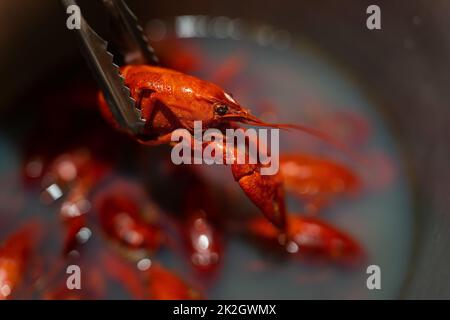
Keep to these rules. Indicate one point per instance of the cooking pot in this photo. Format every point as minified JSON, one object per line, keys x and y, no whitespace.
{"x":404,"y":66}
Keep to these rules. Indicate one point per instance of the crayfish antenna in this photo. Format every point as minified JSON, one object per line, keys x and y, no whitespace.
{"x":342,"y":147}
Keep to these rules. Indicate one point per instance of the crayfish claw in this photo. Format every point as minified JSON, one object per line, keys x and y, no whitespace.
{"x":265,"y":191}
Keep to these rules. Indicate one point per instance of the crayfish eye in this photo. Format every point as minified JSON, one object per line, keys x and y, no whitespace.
{"x":221,"y":109}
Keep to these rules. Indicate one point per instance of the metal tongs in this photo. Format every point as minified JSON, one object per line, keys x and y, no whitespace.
{"x":106,"y":72}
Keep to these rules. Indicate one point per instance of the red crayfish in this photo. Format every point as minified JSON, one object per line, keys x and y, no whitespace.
{"x":170,"y":100}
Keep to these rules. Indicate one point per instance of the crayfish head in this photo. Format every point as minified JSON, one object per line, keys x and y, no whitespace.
{"x":226,"y":109}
